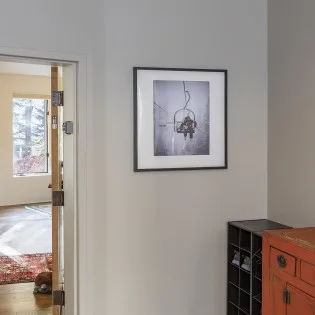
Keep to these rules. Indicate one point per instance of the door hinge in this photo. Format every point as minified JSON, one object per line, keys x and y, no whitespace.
{"x":67,"y":127}
{"x":286,"y":296}
{"x":57,"y":98}
{"x":58,"y":198}
{"x":59,"y":297}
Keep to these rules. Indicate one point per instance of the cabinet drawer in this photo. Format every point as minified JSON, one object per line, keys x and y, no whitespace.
{"x":308,"y":272}
{"x":283,"y":261}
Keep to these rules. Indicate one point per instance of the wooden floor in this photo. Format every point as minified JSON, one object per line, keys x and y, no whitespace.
{"x":18,"y":299}
{"x":23,"y":231}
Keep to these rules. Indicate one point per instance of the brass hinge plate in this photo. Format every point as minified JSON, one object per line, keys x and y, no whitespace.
{"x":57,"y":98}
{"x":58,"y":198}
{"x":59,"y":297}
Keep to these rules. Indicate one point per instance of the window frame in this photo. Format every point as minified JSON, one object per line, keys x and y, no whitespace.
{"x":47,"y":100}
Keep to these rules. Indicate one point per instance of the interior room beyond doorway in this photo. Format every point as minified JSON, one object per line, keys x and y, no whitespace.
{"x":25,"y":176}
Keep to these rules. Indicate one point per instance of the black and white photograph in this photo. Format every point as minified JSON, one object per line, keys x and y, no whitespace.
{"x":180,"y":119}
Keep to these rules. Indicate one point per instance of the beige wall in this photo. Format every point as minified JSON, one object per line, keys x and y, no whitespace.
{"x":291,"y":141}
{"x":18,"y":190}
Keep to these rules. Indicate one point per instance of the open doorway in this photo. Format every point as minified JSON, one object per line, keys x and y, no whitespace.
{"x":31,"y":227}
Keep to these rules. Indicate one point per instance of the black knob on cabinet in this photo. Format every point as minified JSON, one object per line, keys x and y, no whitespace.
{"x":282,"y":262}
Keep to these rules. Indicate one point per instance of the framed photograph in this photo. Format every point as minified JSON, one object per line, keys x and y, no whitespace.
{"x":180,"y":119}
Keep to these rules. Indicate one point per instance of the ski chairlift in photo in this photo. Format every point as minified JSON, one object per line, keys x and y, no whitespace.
{"x":185,"y":122}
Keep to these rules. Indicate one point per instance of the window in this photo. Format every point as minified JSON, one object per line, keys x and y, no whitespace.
{"x":30,"y":136}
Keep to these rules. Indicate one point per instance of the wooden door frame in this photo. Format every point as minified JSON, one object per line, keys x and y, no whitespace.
{"x":56,"y":180}
{"x":78,"y":254}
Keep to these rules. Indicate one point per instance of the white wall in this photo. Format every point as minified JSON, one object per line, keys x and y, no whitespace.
{"x":291,"y":146}
{"x":165,"y":241}
{"x":18,"y":190}
{"x":159,"y":247}
{"x":70,"y":27}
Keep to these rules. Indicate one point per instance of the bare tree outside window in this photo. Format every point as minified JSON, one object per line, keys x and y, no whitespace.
{"x":30,"y":136}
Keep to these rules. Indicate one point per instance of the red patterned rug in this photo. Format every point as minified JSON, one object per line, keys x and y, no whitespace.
{"x":23,"y":268}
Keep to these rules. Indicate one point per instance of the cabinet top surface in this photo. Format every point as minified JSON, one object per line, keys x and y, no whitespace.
{"x":304,"y":237}
{"x":257,"y":225}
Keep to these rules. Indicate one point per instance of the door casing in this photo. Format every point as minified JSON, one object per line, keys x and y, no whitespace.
{"x":77,"y":167}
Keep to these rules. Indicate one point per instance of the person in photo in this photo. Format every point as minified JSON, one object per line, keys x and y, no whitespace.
{"x":188,"y":126}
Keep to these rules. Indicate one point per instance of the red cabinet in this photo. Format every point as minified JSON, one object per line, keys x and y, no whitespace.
{"x":289,"y":272}
{"x":277,"y":287}
{"x":299,"y":302}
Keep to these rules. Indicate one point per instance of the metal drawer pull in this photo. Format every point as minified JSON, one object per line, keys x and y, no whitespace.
{"x":286,"y":296}
{"x":282,"y":262}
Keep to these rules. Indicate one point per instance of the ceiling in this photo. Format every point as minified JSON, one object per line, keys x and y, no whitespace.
{"x":25,"y":68}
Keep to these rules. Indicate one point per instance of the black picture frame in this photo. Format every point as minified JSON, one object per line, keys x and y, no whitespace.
{"x":223,"y":91}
